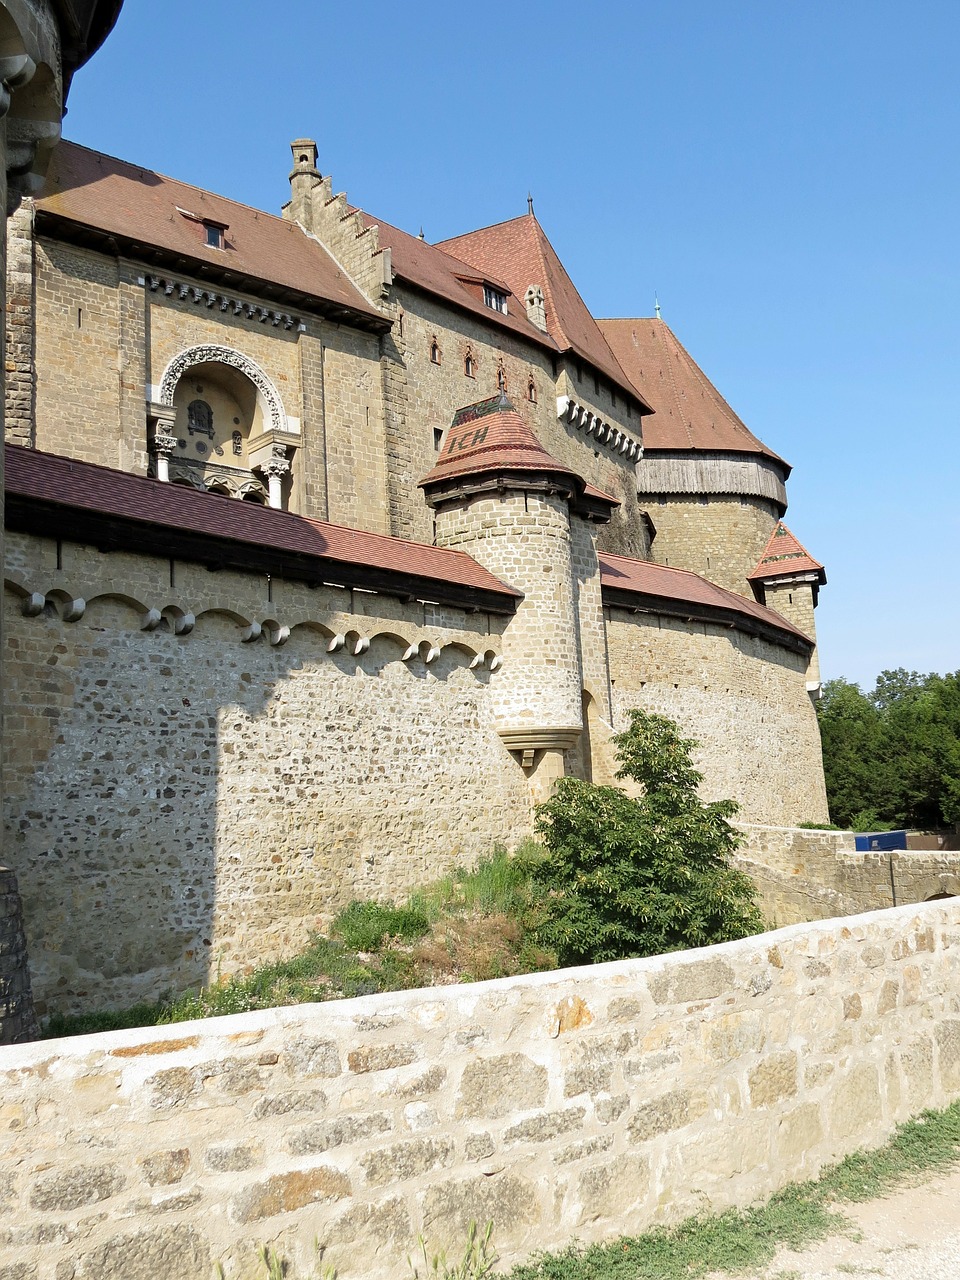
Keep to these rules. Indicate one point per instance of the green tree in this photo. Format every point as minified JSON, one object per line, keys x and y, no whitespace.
{"x":892,"y":757}
{"x":854,"y":762}
{"x":638,"y":877}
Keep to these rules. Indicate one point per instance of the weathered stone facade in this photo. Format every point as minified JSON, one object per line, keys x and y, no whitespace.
{"x":818,"y":875}
{"x":566,"y":1105}
{"x":233,"y":772}
{"x":709,"y":676}
{"x":217,"y":798}
{"x":17,"y":1016}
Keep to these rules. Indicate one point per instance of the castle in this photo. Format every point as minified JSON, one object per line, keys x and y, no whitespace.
{"x":329,"y":550}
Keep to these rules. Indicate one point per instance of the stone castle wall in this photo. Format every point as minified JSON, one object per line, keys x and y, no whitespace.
{"x":818,"y":875}
{"x":720,"y":536}
{"x":17,"y":1019}
{"x":742,"y":698}
{"x":218,"y":791}
{"x":183,"y":804}
{"x":571,"y":1105}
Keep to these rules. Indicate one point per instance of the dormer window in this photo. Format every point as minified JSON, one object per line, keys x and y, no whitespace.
{"x":214,"y":235}
{"x":495,"y":299}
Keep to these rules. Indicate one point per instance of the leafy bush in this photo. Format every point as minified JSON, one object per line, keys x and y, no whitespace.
{"x":637,"y":877}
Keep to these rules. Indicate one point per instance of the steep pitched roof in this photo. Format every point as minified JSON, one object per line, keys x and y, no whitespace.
{"x":785,"y":556}
{"x":689,"y":412}
{"x":48,"y":494}
{"x":519,"y":251}
{"x":438,"y":271}
{"x":491,"y":438}
{"x":681,"y":592}
{"x":87,"y":190}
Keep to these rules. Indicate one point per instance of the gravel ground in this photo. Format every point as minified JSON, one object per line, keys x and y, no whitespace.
{"x":913,"y":1234}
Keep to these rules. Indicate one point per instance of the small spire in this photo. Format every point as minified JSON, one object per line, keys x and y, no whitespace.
{"x":656,"y":305}
{"x":530,"y":204}
{"x":421,"y":235}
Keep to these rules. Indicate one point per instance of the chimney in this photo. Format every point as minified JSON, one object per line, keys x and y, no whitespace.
{"x":303,"y":178}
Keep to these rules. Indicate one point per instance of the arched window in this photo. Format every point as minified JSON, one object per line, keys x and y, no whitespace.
{"x":435,"y":353}
{"x":532,"y":391}
{"x":469,"y":367}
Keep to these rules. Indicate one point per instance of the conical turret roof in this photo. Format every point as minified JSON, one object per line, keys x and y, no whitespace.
{"x":490,"y":438}
{"x":785,"y":556}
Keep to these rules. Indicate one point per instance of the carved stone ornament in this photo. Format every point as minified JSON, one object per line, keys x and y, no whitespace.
{"x":163,"y":442}
{"x":211,"y":354}
{"x":278,"y":464}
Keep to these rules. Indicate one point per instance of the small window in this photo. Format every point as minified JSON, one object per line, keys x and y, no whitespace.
{"x":532,"y":391}
{"x":435,"y":356}
{"x":494,"y":299}
{"x":468,"y":365}
{"x":437,"y":438}
{"x":214,"y":235}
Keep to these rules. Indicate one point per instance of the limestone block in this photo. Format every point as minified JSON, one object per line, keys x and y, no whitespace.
{"x":491,"y":1087}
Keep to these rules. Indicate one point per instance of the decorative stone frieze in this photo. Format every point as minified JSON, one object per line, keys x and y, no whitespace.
{"x":224,"y":302}
{"x":603,"y":432}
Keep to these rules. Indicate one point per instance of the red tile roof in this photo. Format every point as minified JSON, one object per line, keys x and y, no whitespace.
{"x":519,"y":251}
{"x":785,"y":556}
{"x":689,"y":412}
{"x":437,"y":271}
{"x":80,"y":489}
{"x":88,"y":189}
{"x":491,"y":437}
{"x":684,"y":588}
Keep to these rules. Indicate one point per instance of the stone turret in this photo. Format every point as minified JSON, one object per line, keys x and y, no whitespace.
{"x":304,"y":176}
{"x":502,"y":498}
{"x":350,"y":237}
{"x":788,"y":579}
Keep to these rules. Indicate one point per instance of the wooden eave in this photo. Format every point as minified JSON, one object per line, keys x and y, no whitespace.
{"x":88,"y":237}
{"x":637,"y":602}
{"x":114,"y":533}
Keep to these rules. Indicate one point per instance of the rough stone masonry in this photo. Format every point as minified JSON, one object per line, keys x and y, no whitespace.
{"x":575,"y":1104}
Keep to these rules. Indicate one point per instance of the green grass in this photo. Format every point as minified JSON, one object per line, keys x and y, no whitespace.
{"x":467,"y":926}
{"x":742,"y":1240}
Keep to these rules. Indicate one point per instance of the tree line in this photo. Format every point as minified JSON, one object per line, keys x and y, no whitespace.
{"x":891,"y":757}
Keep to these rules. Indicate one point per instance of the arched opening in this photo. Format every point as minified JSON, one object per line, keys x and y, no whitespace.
{"x":218,"y":412}
{"x":220,"y":425}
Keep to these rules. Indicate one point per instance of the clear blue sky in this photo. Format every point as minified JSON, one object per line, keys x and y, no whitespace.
{"x":783,"y":175}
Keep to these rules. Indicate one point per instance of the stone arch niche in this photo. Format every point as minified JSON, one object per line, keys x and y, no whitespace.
{"x":220,"y":425}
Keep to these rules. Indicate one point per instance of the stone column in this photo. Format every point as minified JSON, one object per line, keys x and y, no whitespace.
{"x":275,"y":469}
{"x":163,"y":439}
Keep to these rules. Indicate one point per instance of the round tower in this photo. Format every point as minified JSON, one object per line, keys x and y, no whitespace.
{"x":713,"y":490}
{"x":788,"y":579}
{"x":498,"y":495}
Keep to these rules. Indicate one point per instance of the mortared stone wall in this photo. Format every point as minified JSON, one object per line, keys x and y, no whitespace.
{"x":579,"y":1104}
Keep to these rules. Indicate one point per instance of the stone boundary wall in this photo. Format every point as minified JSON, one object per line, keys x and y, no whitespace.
{"x":818,"y":875}
{"x":575,"y":1104}
{"x":17,"y":1019}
